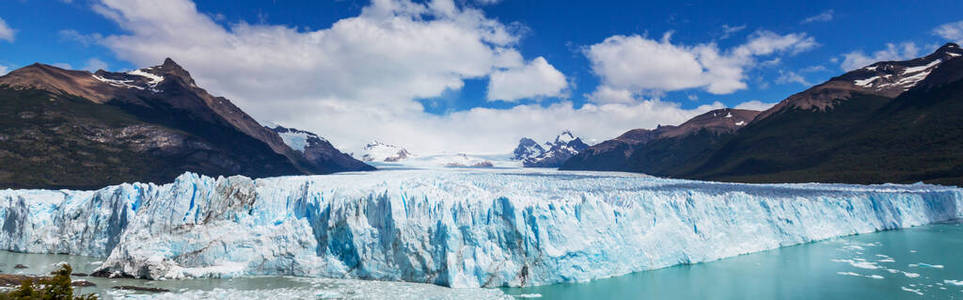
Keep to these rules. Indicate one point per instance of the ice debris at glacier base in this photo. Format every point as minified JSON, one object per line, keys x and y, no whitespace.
{"x":459,"y":228}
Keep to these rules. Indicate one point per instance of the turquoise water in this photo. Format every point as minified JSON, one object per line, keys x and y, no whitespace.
{"x":917,"y":263}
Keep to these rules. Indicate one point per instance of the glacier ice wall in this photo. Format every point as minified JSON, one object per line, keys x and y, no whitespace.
{"x":459,"y":228}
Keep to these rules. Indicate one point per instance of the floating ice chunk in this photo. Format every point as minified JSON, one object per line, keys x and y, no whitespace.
{"x":854,"y":274}
{"x":914,"y":291}
{"x":925,"y":265}
{"x":953,"y":282}
{"x":859,"y":263}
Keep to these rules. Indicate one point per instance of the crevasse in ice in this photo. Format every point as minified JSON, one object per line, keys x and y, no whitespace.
{"x":459,"y":228}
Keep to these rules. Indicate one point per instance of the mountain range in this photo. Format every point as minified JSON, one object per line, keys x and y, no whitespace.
{"x":892,"y":121}
{"x":76,"y":129}
{"x":556,"y":152}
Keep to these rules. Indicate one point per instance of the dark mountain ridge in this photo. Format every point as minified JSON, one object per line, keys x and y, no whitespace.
{"x":76,"y":129}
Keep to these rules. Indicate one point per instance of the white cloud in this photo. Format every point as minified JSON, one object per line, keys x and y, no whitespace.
{"x":607,"y":94}
{"x":535,"y":79}
{"x":63,"y":65}
{"x":791,"y":77}
{"x":359,"y":79}
{"x":728,"y":31}
{"x":951,"y":31}
{"x":4,"y":70}
{"x":6,"y":33}
{"x":640,"y":65}
{"x":824,"y":16}
{"x":756,"y":105}
{"x":95,"y":64}
{"x":813,"y":68}
{"x":858,"y":59}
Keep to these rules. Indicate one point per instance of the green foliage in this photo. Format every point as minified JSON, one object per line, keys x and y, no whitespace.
{"x":57,"y":287}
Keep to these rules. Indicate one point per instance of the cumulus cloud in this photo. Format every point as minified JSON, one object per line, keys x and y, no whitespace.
{"x":4,"y":70}
{"x":756,"y":105}
{"x":6,"y":33}
{"x":858,"y":59}
{"x":361,"y":78}
{"x":824,"y":16}
{"x":535,"y":79}
{"x":640,"y":65}
{"x":951,"y":31}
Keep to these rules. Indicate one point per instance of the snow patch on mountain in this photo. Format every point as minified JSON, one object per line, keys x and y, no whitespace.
{"x":298,"y":140}
{"x":153,"y":80}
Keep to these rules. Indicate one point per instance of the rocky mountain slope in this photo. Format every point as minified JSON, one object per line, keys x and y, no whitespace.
{"x":892,"y":121}
{"x":558,"y":151}
{"x":663,"y":150}
{"x":76,"y":129}
{"x":318,"y":151}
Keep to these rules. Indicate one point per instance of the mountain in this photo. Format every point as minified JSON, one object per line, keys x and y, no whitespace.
{"x":76,"y":129}
{"x":380,"y":152}
{"x":561,"y":149}
{"x":318,"y":151}
{"x":664,"y":150}
{"x":527,"y":149}
{"x":892,"y":121}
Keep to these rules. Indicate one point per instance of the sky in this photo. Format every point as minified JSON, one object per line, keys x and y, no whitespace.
{"x":475,"y":76}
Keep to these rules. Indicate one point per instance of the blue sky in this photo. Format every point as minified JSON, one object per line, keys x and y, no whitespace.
{"x":393,"y":96}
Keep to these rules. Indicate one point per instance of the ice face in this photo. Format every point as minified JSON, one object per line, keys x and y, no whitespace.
{"x":459,"y":228}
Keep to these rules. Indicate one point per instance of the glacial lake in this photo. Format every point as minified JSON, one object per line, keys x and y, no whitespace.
{"x":916,"y":263}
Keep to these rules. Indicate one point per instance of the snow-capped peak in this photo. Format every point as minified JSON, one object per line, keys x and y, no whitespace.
{"x":564,"y":137}
{"x":380,"y":152}
{"x":553,"y":154}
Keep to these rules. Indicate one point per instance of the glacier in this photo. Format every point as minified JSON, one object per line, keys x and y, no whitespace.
{"x":456,"y":228}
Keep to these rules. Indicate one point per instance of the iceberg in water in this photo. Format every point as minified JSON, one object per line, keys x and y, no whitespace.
{"x":459,"y":228}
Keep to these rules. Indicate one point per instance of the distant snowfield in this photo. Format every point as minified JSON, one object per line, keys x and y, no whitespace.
{"x":457,"y":227}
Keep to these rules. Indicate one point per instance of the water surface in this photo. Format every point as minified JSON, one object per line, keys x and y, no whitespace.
{"x":917,"y":263}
